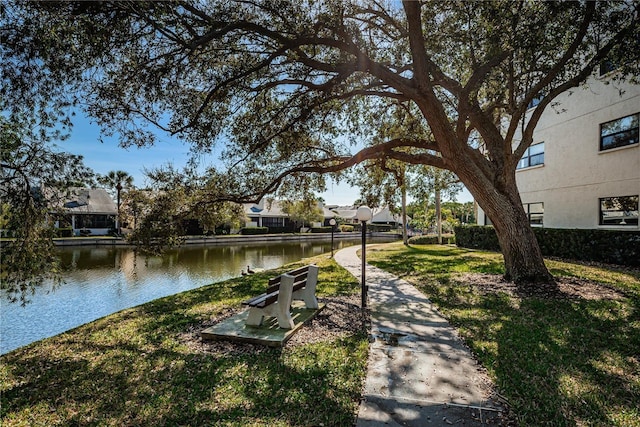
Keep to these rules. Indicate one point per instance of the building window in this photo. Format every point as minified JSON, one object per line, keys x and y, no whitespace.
{"x":532,"y":157}
{"x":95,"y":221}
{"x":272,"y":222}
{"x":619,"y":210}
{"x":607,"y":66}
{"x":619,"y":133}
{"x":535,"y":212}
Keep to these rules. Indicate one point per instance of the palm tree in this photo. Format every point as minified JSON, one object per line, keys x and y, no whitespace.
{"x":117,"y":180}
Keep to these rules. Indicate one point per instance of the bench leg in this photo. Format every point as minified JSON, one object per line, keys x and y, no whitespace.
{"x":284,"y":302}
{"x":255,"y":317}
{"x":309,"y":291}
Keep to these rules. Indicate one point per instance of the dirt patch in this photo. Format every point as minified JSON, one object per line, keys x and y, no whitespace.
{"x":564,"y":288}
{"x":341,"y":317}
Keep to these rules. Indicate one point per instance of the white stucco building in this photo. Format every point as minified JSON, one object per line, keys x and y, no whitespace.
{"x":583,"y":168}
{"x":270,"y":214}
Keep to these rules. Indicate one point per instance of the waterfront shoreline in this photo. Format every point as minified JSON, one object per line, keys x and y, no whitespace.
{"x":220,"y":240}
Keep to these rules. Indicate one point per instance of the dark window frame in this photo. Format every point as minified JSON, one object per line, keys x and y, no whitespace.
{"x":95,"y":221}
{"x":272,"y":221}
{"x":527,"y":210}
{"x":607,"y":66}
{"x":529,"y":160}
{"x":626,"y":218}
{"x":632,"y":139}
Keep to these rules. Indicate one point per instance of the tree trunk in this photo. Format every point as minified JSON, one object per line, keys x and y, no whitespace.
{"x":438,"y":216}
{"x":405,"y":238}
{"x":118,"y":215}
{"x":522,"y":255}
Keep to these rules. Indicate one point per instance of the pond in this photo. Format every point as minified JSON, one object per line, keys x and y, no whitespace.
{"x":101,"y":280}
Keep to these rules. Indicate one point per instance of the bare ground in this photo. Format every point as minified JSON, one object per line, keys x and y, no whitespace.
{"x":565,"y":287}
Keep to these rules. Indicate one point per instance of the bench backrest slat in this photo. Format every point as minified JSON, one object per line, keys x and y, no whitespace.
{"x":274,"y":287}
{"x":298,"y":274}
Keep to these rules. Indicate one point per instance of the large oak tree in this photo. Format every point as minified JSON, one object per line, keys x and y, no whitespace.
{"x":289,"y":87}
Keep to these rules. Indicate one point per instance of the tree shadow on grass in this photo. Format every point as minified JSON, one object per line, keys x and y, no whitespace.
{"x":559,"y":361}
{"x":574,"y":362}
{"x":90,"y":377}
{"x":440,"y":260}
{"x":130,"y":368}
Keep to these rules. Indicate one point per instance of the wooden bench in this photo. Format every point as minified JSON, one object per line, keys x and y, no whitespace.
{"x":299,"y":284}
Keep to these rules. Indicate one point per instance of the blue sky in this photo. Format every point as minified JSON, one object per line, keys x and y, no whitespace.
{"x":106,"y":156}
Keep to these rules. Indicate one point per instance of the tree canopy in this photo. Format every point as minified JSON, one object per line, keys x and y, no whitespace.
{"x":294,"y":89}
{"x":35,"y":177}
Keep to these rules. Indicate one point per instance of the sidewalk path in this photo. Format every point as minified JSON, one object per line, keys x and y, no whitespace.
{"x":419,"y":372}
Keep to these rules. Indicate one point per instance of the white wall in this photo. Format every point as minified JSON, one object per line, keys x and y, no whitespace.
{"x":575,"y":172}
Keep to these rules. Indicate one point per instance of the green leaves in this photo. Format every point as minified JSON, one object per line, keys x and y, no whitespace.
{"x":291,"y":88}
{"x":34,"y":178}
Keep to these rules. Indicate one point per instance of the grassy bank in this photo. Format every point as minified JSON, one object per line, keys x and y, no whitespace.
{"x":143,"y":366}
{"x":570,"y":358}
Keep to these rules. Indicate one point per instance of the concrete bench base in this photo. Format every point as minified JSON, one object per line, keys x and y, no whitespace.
{"x":235,"y":329}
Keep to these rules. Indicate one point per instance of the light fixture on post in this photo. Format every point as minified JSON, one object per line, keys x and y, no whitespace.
{"x":364,"y":214}
{"x":332,"y":223}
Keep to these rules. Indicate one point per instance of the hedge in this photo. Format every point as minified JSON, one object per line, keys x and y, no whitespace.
{"x":346,"y":228}
{"x":431,"y":239}
{"x":379,"y":228}
{"x":608,"y":246}
{"x":64,"y":232}
{"x":250,"y":231}
{"x":321,"y":229}
{"x":477,"y":237}
{"x":280,"y":230}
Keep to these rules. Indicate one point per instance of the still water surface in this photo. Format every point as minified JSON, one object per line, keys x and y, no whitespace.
{"x":103,"y":280}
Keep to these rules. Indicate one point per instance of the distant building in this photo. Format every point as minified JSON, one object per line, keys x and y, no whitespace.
{"x":87,"y":211}
{"x":270,"y":214}
{"x":583,"y":169}
{"x":380,"y":215}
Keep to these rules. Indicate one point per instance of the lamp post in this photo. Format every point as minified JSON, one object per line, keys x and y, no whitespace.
{"x":364,"y":214}
{"x":332,"y":223}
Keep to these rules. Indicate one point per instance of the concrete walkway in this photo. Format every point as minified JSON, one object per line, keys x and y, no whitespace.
{"x":419,"y":371}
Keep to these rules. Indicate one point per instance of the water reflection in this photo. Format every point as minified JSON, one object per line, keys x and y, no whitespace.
{"x":102,"y":280}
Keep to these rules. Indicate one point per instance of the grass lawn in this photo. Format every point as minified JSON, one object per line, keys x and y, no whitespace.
{"x":570,"y":359}
{"x":135,"y":368}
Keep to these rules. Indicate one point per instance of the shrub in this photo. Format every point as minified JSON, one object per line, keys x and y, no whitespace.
{"x":250,"y":231}
{"x":609,"y":246}
{"x":346,"y":228}
{"x":321,"y":229}
{"x":432,"y":239}
{"x":64,"y":232}
{"x":280,"y":230}
{"x":379,"y":228}
{"x":477,"y":237}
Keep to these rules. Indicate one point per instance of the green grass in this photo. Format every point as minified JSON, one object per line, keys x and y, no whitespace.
{"x":559,"y":362}
{"x":132,"y":368}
